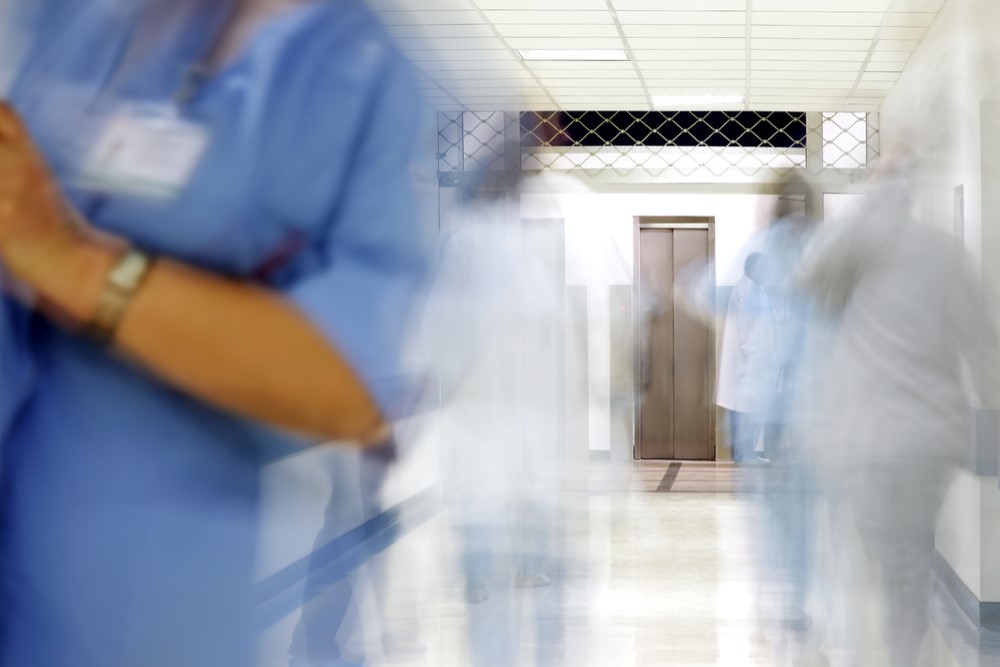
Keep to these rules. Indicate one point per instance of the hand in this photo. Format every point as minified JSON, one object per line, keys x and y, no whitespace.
{"x":382,"y":454}
{"x":34,"y":218}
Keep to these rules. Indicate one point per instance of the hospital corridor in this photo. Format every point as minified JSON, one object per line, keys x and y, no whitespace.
{"x":499,"y":333}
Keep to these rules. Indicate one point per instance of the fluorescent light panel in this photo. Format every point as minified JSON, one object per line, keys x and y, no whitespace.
{"x":572,"y":54}
{"x":695,"y":100}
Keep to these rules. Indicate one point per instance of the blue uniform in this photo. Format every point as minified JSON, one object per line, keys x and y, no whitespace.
{"x":130,"y":509}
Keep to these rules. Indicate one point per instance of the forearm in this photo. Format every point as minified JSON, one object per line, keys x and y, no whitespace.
{"x":231,"y":344}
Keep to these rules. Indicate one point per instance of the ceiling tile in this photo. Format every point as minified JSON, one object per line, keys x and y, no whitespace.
{"x":822,"y":5}
{"x":906,"y":45}
{"x":682,"y":18}
{"x":814,"y":32}
{"x":689,"y":55}
{"x":820,"y":56}
{"x":543,"y":43}
{"x":785,"y":106}
{"x":811,"y":44}
{"x":542,"y":17}
{"x":873,"y":19}
{"x":803,"y":65}
{"x":803,"y":93}
{"x":602,"y":103}
{"x":911,"y":19}
{"x":680,"y":5}
{"x":801,"y":58}
{"x":683,"y":73}
{"x":591,"y":84}
{"x":803,"y":75}
{"x":693,"y":66}
{"x":918,"y":5}
{"x":912,"y":32}
{"x":583,"y":106}
{"x":890,"y":57}
{"x":885,"y":67}
{"x":697,"y":90}
{"x":879,"y":76}
{"x":555,"y":68}
{"x":733,"y":83}
{"x":687,"y":44}
{"x":870,"y":93}
{"x":832,"y":100}
{"x":759,"y":82}
{"x":552,"y":31}
{"x":666,"y":31}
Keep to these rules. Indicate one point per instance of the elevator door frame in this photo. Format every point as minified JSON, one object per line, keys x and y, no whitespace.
{"x":670,"y":222}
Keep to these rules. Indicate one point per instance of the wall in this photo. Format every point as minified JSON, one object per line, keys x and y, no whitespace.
{"x":937,"y":107}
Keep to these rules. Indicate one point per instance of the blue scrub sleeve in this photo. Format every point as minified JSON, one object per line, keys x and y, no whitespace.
{"x":375,"y":254}
{"x":17,"y":363}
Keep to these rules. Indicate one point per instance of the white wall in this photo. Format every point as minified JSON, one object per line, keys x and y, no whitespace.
{"x":935,"y":107}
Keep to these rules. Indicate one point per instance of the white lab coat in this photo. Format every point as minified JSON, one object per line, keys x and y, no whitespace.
{"x":749,"y":365}
{"x":894,"y":410}
{"x":911,"y":314}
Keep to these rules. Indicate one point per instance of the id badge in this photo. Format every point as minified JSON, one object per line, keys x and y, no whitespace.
{"x":147,"y":152}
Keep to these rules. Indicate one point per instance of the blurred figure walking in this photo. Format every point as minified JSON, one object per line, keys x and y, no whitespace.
{"x":894,"y":416}
{"x":748,"y":368}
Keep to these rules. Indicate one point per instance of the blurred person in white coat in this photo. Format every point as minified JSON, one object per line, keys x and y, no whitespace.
{"x":748,"y":365}
{"x":490,"y":326}
{"x":894,"y":416}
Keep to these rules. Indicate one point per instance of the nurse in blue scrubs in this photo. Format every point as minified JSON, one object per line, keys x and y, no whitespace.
{"x":209,"y":244}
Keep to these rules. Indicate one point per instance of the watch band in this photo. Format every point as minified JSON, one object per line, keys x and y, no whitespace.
{"x":123,"y":280}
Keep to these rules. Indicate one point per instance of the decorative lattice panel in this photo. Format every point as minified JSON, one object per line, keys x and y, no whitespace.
{"x":710,"y":145}
{"x":850,"y":140}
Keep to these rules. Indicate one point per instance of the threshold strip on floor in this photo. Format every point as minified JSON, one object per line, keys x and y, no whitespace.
{"x":290,"y":588}
{"x":669,"y":477}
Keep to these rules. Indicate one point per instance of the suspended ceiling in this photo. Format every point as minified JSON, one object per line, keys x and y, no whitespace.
{"x":801,"y":55}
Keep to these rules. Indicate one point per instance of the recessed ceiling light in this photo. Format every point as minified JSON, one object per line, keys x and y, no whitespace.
{"x":572,"y":54}
{"x":695,"y":101}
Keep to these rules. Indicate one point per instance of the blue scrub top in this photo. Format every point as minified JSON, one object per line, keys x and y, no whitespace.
{"x":129,"y":509}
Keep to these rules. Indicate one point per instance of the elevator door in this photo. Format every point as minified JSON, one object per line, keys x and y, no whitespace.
{"x":676,"y":353}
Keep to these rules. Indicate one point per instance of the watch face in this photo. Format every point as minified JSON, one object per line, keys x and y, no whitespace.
{"x":129,"y":271}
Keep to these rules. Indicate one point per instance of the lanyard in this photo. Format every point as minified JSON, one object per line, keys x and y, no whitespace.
{"x":199,"y":34}
{"x":196,"y":73}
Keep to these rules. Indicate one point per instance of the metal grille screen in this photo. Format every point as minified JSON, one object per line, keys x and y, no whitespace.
{"x":696,"y":145}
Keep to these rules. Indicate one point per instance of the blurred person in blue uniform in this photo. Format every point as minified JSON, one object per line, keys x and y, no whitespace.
{"x":786,"y":514}
{"x":748,"y":364}
{"x":209,"y":244}
{"x":764,"y":380}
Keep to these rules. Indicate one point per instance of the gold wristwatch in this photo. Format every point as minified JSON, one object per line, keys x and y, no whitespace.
{"x":123,"y":280}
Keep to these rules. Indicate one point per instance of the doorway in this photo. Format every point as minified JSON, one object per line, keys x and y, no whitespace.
{"x":675,"y":351}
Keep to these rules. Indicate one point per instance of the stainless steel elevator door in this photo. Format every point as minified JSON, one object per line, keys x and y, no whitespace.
{"x":675,"y":408}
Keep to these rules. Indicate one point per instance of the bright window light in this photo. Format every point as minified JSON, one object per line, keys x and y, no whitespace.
{"x":695,"y":101}
{"x":572,"y":54}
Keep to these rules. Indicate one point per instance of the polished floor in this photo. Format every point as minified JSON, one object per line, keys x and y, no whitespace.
{"x":644,"y":565}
